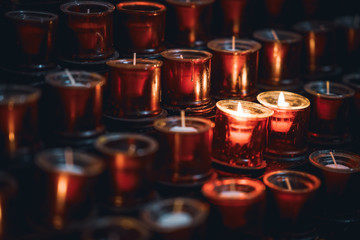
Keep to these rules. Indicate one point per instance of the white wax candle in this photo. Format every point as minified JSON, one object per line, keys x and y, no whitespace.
{"x":183,"y":129}
{"x":70,"y":168}
{"x":232,"y":194}
{"x":337,"y":166}
{"x":175,"y":219}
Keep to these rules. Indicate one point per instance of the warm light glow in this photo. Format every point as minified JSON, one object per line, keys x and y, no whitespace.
{"x":281,"y":100}
{"x":240,"y":109}
{"x":277,"y":57}
{"x":62,"y":187}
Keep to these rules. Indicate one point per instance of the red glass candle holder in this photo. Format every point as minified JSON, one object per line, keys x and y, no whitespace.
{"x":78,"y":110}
{"x":86,"y":32}
{"x":329,"y":118}
{"x":240,"y":137}
{"x":279,"y":64}
{"x":65,"y":184}
{"x":184,"y":155}
{"x":130,"y":172}
{"x":340,"y":197}
{"x":134,"y":88}
{"x":8,"y":190}
{"x":186,"y":78}
{"x":318,"y":58}
{"x":18,"y":120}
{"x":176,"y":218}
{"x":236,"y":71}
{"x":288,"y":125}
{"x":233,"y":17}
{"x":291,"y":197}
{"x":31,"y":39}
{"x":348,"y":42}
{"x":240,"y":201}
{"x":110,"y":228}
{"x":141,"y":27}
{"x":189,"y":22}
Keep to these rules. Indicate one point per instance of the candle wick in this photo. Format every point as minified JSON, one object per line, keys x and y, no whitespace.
{"x":181,"y":56}
{"x":327,"y":87}
{"x":132,"y":149}
{"x":233,"y":43}
{"x":69,"y":156}
{"x":70,"y":77}
{"x":288,"y":184}
{"x":88,"y":11}
{"x":275,"y":36}
{"x":178,"y":205}
{"x":333,"y":158}
{"x":182,"y":116}
{"x":134,"y":59}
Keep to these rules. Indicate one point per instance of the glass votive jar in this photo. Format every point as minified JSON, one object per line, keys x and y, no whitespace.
{"x":141,"y":27}
{"x":291,"y":197}
{"x":318,"y":57}
{"x":185,"y":78}
{"x":133,"y":88}
{"x":65,"y":186}
{"x":30,"y":39}
{"x":280,"y":56}
{"x":176,"y":218}
{"x":339,"y":196}
{"x":288,"y":125}
{"x":240,"y":201}
{"x":78,"y":104}
{"x":184,"y":153}
{"x":236,"y":71}
{"x":86,"y":33}
{"x":240,"y":134}
{"x":348,"y":42}
{"x":189,"y":22}
{"x":329,"y":118}
{"x":8,"y":192}
{"x":130,"y":173}
{"x":232,"y":19}
{"x":18,"y":120}
{"x":111,"y":228}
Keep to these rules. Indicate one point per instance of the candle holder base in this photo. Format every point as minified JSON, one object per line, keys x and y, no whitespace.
{"x":248,"y":171}
{"x":251,"y":97}
{"x":206,"y":111}
{"x":154,"y":54}
{"x":138,"y":125}
{"x":327,"y":140}
{"x":329,"y":74}
{"x":287,"y":156}
{"x":290,"y":85}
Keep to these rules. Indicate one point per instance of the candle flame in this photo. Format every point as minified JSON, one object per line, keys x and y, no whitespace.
{"x":281,"y":100}
{"x":240,"y":109}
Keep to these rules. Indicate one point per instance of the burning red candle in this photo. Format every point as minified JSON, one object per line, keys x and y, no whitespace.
{"x":141,"y":27}
{"x":288,"y":125}
{"x":78,"y":100}
{"x":189,"y":22}
{"x":87,"y":31}
{"x":240,"y":201}
{"x":18,"y":120}
{"x":280,"y":57}
{"x":130,"y":171}
{"x":236,"y":71}
{"x":186,"y":78}
{"x":185,"y":147}
{"x":31,"y":39}
{"x":329,"y":118}
{"x":134,"y":88}
{"x":232,"y":17}
{"x":240,"y":133}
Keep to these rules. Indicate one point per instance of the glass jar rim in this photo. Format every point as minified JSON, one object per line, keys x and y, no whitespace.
{"x":254,"y":46}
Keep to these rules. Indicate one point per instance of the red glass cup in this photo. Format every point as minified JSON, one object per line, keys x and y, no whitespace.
{"x":233,"y":17}
{"x":240,"y":201}
{"x":240,"y":133}
{"x":236,"y":71}
{"x":339,"y":195}
{"x":8,"y":191}
{"x":184,"y":155}
{"x":18,"y":120}
{"x":31,"y":39}
{"x":288,"y":125}
{"x":348,"y":42}
{"x":134,"y":89}
{"x":318,"y":56}
{"x":291,"y":197}
{"x":78,"y":110}
{"x":186,"y":78}
{"x":65,"y":184}
{"x":189,"y":22}
{"x":279,"y":64}
{"x":130,"y":174}
{"x":87,"y":31}
{"x":141,"y":27}
{"x":329,"y":118}
{"x":176,"y":218}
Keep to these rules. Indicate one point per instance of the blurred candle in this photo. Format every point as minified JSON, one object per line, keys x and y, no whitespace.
{"x":280,"y":55}
{"x":232,"y":17}
{"x":141,"y":27}
{"x":186,"y":78}
{"x":240,"y":133}
{"x":288,"y":125}
{"x":329,"y":118}
{"x":134,"y":88}
{"x":86,"y":33}
{"x":236,"y":71}
{"x":30,"y":39}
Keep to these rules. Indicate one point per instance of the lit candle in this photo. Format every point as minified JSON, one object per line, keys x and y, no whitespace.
{"x":183,"y":127}
{"x":177,"y":218}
